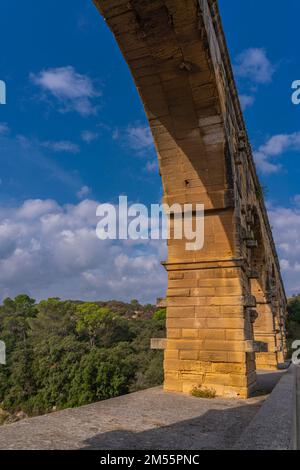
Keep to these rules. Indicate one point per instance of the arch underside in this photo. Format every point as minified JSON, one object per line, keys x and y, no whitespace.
{"x":226,"y":301}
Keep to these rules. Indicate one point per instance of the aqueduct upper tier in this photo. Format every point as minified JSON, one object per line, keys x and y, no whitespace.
{"x":226,"y":303}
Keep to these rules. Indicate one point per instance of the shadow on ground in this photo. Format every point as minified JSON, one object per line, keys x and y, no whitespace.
{"x":267,"y":381}
{"x":216,"y":429}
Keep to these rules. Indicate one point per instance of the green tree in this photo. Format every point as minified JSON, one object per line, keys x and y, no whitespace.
{"x":102,"y":327}
{"x":65,"y":353}
{"x":294,"y":309}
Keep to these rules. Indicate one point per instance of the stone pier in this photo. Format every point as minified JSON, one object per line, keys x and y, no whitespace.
{"x":226,"y":304}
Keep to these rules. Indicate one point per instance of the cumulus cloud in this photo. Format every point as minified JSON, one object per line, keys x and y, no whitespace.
{"x":275,"y":147}
{"x":254,"y":65}
{"x":47,"y":249}
{"x":136,"y":138}
{"x":72,"y":90}
{"x":64,"y":146}
{"x":4,"y":129}
{"x":139,"y":137}
{"x":297,"y":199}
{"x":51,"y":250}
{"x":152,"y":166}
{"x":254,"y":68}
{"x":286,"y":229}
{"x":89,"y":136}
{"x":83,"y":192}
{"x":246,"y":101}
{"x":116,"y":134}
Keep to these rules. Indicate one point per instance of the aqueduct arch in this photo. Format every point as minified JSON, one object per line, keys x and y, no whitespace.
{"x":224,"y":297}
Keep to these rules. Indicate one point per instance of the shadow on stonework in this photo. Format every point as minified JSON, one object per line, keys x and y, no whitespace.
{"x":266,"y":381}
{"x":217,"y":429}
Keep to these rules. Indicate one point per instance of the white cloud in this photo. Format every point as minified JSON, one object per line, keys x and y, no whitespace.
{"x":152,"y":166}
{"x":62,"y":146}
{"x":254,"y":65}
{"x":286,"y":229}
{"x":83,"y":192}
{"x":89,"y":136}
{"x":276,"y":146}
{"x":264,"y":165}
{"x":75,"y":92}
{"x":116,"y":134}
{"x":139,"y":137}
{"x":52,"y":250}
{"x":246,"y":101}
{"x":34,"y":208}
{"x":4,"y":129}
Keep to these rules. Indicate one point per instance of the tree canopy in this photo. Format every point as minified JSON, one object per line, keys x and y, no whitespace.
{"x":65,"y":354}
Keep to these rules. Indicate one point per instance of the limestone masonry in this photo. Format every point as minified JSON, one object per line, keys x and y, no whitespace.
{"x":226,"y":305}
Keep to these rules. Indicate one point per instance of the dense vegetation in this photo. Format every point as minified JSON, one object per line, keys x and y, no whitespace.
{"x":64,"y":354}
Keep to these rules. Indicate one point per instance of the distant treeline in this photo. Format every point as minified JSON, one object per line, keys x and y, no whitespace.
{"x":65,"y":354}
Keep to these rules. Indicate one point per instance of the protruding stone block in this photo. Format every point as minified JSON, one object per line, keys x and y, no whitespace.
{"x":158,"y":343}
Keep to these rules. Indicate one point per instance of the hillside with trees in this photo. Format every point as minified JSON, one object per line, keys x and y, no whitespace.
{"x":64,"y":354}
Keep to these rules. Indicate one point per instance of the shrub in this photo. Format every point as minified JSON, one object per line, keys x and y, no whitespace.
{"x":203,"y":392}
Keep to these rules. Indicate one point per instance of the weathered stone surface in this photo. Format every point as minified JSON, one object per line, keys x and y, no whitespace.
{"x":151,"y":419}
{"x":272,"y":427}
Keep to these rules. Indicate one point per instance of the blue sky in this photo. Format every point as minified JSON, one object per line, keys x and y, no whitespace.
{"x":73,"y":133}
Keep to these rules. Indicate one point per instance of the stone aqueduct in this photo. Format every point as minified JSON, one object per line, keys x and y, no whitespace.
{"x":226,"y":304}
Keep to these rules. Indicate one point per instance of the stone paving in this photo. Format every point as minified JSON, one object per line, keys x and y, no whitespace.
{"x":150,"y":419}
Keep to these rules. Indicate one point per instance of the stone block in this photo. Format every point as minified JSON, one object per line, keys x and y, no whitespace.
{"x":171,"y":354}
{"x":227,"y":323}
{"x":213,"y":356}
{"x":189,"y":355}
{"x":190,"y":333}
{"x":174,"y":333}
{"x":187,"y":323}
{"x":178,"y":292}
{"x":158,"y":343}
{"x":185,"y":344}
{"x":181,"y":312}
{"x":229,"y":368}
{"x":212,"y":334}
